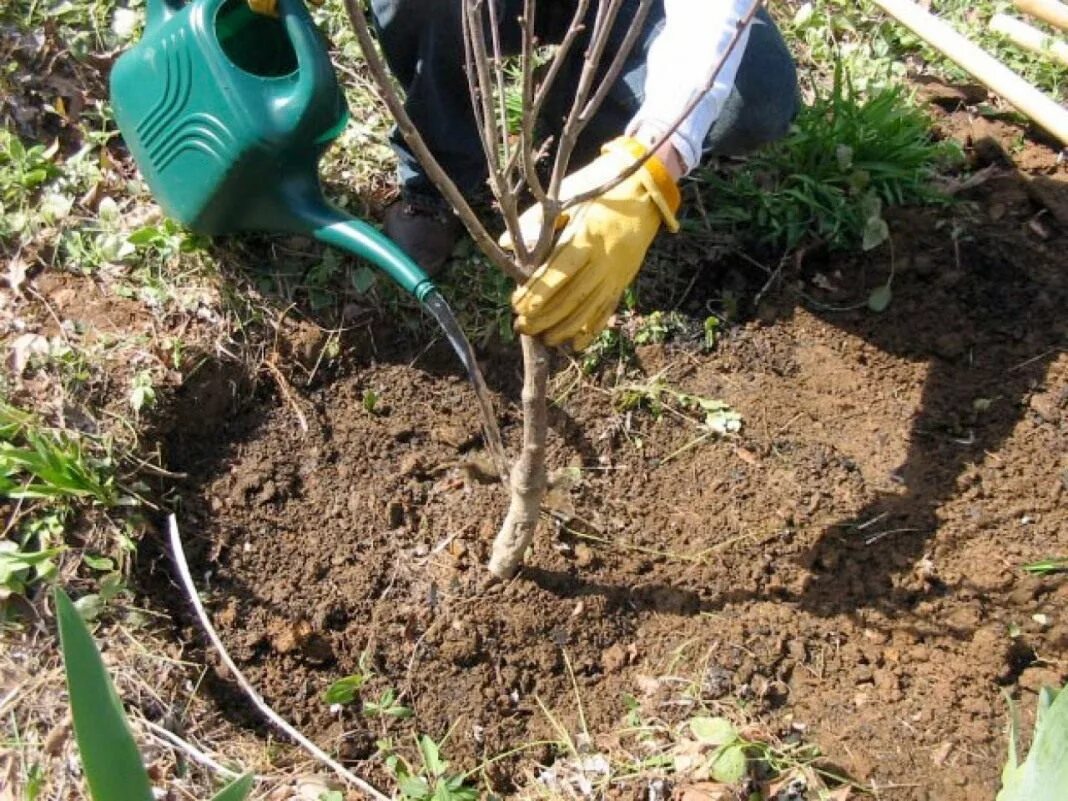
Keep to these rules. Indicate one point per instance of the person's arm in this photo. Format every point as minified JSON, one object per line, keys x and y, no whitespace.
{"x":696,"y":33}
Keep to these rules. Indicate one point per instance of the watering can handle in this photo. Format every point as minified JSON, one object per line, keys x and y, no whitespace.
{"x":315,"y":72}
{"x":159,"y":11}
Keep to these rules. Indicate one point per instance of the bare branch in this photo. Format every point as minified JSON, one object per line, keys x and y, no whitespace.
{"x":498,"y":72}
{"x":602,"y":28}
{"x":743,"y":23}
{"x":486,"y":243}
{"x":633,"y":32}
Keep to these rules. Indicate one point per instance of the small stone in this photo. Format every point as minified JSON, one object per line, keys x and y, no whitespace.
{"x":584,"y":555}
{"x":1044,"y":405}
{"x":614,"y":658}
{"x":412,"y":465}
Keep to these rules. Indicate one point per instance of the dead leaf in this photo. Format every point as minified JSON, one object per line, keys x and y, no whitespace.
{"x":705,"y":791}
{"x":312,"y":788}
{"x":843,"y":793}
{"x":57,"y":738}
{"x":23,"y":348}
{"x":746,"y":455}
{"x":16,"y":274}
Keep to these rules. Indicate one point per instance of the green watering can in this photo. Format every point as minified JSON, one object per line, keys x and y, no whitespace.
{"x":227,"y":113}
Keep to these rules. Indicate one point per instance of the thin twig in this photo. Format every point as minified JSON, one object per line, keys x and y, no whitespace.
{"x":174,"y":741}
{"x":245,"y":684}
{"x":377,"y":67}
{"x":743,"y":24}
{"x":283,"y":387}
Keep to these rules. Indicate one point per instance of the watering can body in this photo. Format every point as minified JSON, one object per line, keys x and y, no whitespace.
{"x":227,"y":114}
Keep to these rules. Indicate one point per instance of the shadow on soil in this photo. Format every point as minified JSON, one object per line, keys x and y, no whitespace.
{"x":986,"y":312}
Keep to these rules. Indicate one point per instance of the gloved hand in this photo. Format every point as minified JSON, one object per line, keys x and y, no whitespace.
{"x":601,"y":246}
{"x":269,"y":8}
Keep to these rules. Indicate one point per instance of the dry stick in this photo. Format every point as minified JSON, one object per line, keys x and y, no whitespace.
{"x":245,"y":684}
{"x":1043,"y":110}
{"x":174,"y":741}
{"x":1051,"y":11}
{"x":486,"y":243}
{"x":528,"y":474}
{"x":1029,"y":37}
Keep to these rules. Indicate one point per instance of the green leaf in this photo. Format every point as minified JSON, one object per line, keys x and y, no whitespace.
{"x":237,"y":790}
{"x":363,"y":278}
{"x":730,"y":764}
{"x":12,"y":560}
{"x":879,"y":299}
{"x":110,"y":759}
{"x":1044,"y":774}
{"x":714,"y":731}
{"x":431,"y":756}
{"x":98,"y":562}
{"x":89,"y":607}
{"x":332,"y":795}
{"x":414,"y":787}
{"x":876,"y":231}
{"x":343,"y":691}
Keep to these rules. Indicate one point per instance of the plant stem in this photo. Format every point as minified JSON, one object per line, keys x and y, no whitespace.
{"x":529,"y":476}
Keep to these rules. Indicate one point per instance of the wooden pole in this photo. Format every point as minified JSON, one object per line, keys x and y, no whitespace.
{"x":1029,"y":37}
{"x":1051,"y":11}
{"x":1048,"y":114}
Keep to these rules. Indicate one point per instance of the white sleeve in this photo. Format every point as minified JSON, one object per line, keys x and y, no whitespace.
{"x":694,"y":37}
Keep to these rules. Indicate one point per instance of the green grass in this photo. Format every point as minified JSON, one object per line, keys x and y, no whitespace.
{"x":38,"y":463}
{"x":1047,"y":567}
{"x":877,"y":50}
{"x":49,"y":475}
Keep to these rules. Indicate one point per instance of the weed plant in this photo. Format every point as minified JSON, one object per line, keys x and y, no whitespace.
{"x":847,"y":156}
{"x":111,"y":760}
{"x":47,"y":473}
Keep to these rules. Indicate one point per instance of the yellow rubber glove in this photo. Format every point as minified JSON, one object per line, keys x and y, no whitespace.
{"x":600,"y":249}
{"x":269,"y":8}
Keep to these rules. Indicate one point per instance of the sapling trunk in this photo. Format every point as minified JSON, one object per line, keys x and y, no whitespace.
{"x":529,"y":474}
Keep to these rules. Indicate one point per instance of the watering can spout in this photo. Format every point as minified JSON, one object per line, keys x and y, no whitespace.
{"x":335,"y":228}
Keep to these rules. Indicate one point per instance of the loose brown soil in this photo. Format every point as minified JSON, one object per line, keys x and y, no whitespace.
{"x":850,"y":562}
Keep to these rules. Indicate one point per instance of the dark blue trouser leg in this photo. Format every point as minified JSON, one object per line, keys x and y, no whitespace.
{"x":423,"y":44}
